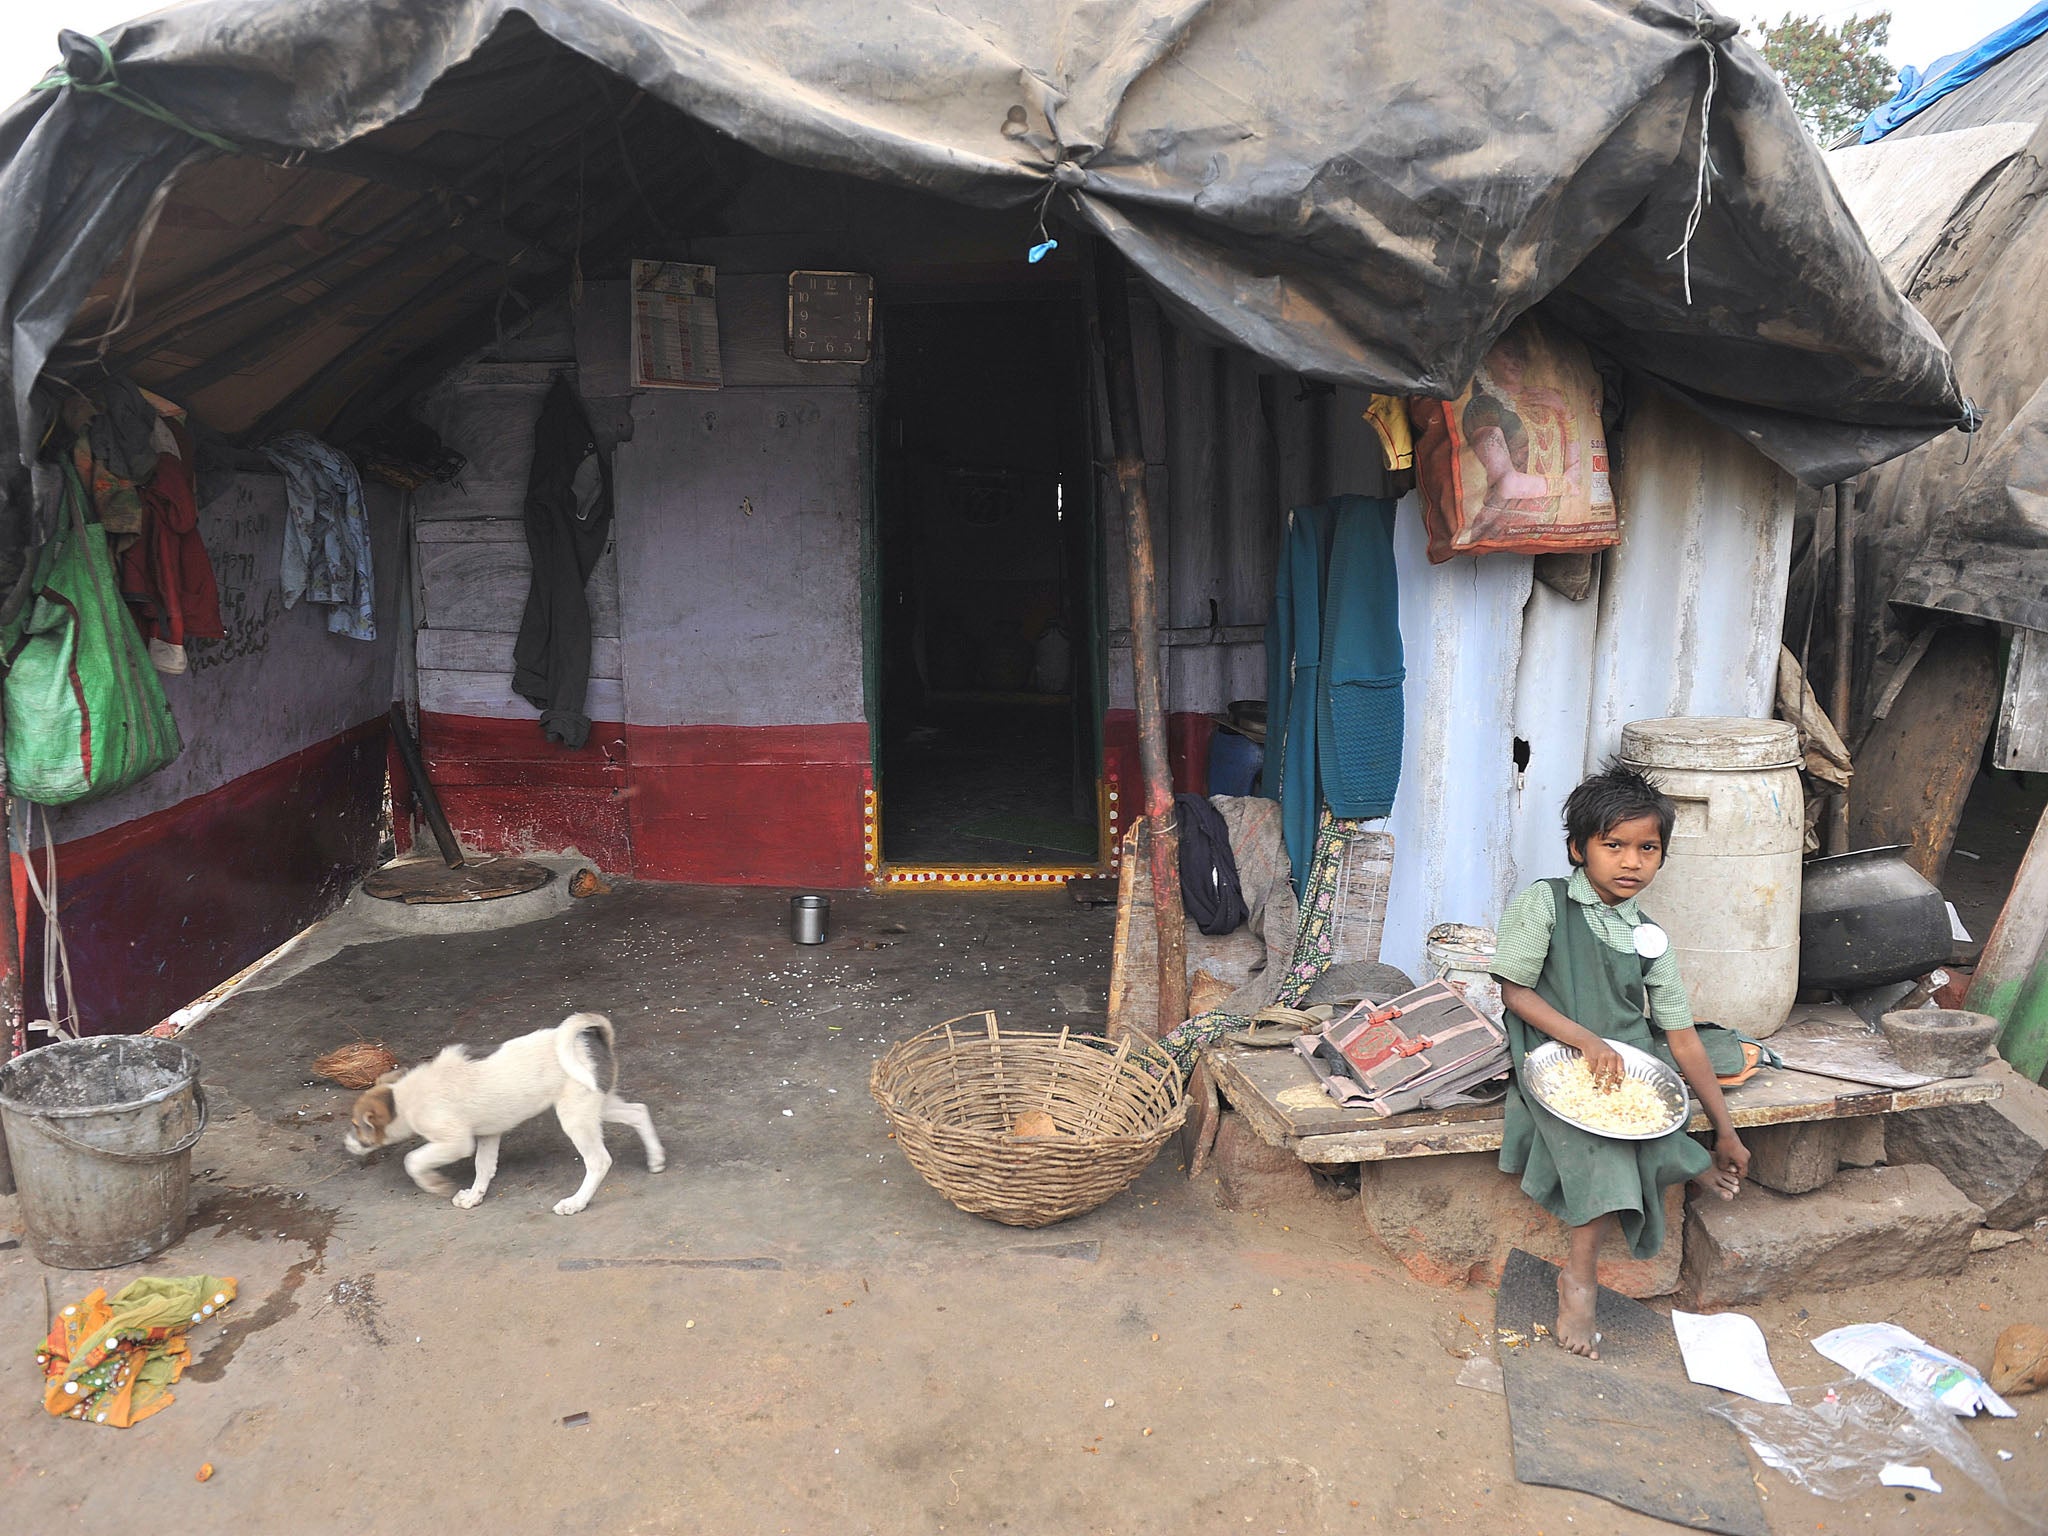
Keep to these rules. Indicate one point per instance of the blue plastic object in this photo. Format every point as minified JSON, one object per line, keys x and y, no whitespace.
{"x":1234,"y":763}
{"x":1919,"y":90}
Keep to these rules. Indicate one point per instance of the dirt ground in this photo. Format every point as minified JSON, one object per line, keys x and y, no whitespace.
{"x":787,"y":1331}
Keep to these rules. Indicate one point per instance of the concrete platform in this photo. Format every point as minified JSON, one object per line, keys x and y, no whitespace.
{"x":787,"y":1331}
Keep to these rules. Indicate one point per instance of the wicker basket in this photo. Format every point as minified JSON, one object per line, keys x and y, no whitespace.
{"x":952,"y":1096}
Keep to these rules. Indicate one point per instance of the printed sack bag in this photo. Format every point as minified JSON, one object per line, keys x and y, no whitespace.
{"x":85,"y":713}
{"x":1518,"y":462}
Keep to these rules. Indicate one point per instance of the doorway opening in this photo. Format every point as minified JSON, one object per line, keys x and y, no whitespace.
{"x":988,"y":633}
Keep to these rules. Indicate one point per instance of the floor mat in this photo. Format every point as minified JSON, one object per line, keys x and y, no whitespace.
{"x":1043,"y":832}
{"x":1627,"y":1427}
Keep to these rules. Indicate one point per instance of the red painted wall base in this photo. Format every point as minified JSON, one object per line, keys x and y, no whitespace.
{"x":159,"y":909}
{"x":1187,"y":753}
{"x":720,"y":805}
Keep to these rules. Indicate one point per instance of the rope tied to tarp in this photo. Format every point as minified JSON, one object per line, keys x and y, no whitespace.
{"x":62,"y":77}
{"x":1705,"y":30}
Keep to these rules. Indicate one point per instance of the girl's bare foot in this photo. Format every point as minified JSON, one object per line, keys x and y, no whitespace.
{"x":1718,"y":1182}
{"x":1576,"y":1302}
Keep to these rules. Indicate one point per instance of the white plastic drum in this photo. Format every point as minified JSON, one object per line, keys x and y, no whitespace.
{"x":1729,"y":890}
{"x":1463,"y":956}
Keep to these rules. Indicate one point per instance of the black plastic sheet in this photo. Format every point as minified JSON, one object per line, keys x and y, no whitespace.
{"x":1354,"y":190}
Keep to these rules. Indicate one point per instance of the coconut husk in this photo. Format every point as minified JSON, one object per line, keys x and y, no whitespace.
{"x":588,"y":882}
{"x":1034,"y":1122}
{"x":1206,"y":992}
{"x":2020,"y":1363}
{"x":356,"y":1065}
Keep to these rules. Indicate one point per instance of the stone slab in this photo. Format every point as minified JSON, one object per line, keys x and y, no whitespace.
{"x":1278,"y":1093}
{"x":1793,"y":1159}
{"x":1453,"y":1220}
{"x":1996,"y":1153}
{"x":1869,"y":1224}
{"x":1863,"y":1141}
{"x":1253,"y":1176}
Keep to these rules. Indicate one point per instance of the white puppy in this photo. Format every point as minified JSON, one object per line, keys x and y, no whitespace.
{"x":462,"y":1107}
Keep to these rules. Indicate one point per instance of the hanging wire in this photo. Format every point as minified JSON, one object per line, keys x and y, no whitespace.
{"x":124,"y":303}
{"x":576,"y":249}
{"x":1703,"y":188}
{"x":56,"y":955}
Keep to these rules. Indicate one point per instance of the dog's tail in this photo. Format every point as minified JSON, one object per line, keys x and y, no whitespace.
{"x":583,"y":1042}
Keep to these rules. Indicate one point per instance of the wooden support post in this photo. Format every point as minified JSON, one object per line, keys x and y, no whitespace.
{"x":1113,"y":330}
{"x":2011,"y":983}
{"x":1845,"y":646}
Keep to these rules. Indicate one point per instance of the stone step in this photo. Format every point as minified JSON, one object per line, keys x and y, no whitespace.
{"x":1868,"y":1224}
{"x":1995,"y":1152}
{"x":1451,"y":1220}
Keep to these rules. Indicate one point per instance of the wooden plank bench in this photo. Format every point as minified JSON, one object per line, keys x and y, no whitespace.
{"x":1282,"y":1102}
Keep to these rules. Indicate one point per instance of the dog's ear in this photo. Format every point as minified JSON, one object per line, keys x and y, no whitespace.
{"x":390,"y":1077}
{"x":375,"y":1110}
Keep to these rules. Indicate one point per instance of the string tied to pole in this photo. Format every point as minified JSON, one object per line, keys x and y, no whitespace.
{"x":107,"y":82}
{"x":1711,"y":31}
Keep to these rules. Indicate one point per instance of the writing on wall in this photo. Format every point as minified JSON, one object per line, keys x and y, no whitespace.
{"x":243,"y":538}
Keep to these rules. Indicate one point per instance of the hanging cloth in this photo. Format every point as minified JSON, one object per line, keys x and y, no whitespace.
{"x":568,"y":521}
{"x":1388,"y":418}
{"x":1334,"y":670}
{"x":166,"y":576}
{"x":326,"y":533}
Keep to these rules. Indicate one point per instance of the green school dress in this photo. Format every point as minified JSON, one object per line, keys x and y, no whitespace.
{"x":1571,"y":1173}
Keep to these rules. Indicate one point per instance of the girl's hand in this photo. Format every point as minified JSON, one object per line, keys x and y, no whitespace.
{"x":1731,"y":1157}
{"x":1604,"y":1062}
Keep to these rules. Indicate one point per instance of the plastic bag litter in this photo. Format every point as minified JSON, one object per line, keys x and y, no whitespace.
{"x":1834,"y":1440}
{"x":1893,"y":1360}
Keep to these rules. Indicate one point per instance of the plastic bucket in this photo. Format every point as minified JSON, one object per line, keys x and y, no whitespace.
{"x":1234,"y":763}
{"x":101,"y":1133}
{"x":1462,"y":955}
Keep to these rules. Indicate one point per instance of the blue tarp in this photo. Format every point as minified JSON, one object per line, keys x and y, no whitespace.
{"x":1919,"y":91}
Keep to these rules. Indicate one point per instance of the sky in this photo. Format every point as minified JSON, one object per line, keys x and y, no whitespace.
{"x":1922,"y":30}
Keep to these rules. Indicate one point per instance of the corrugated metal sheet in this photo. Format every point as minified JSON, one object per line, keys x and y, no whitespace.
{"x":1685,"y":618}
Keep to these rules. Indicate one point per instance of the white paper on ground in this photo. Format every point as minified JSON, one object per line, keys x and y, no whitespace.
{"x":1893,"y":1361}
{"x":1897,"y":1476}
{"x":1956,"y":930}
{"x":1727,"y":1350}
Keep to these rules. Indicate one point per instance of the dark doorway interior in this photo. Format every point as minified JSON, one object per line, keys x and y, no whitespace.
{"x":1998,"y":820}
{"x":990,"y":720}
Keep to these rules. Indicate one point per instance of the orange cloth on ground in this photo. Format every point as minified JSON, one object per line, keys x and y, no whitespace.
{"x":113,"y":1361}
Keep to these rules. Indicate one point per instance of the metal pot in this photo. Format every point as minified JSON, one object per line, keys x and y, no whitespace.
{"x":1868,"y":918}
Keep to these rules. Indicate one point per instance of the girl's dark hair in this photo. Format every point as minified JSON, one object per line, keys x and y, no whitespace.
{"x":1613,"y":795}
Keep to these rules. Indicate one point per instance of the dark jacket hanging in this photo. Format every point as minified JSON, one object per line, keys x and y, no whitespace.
{"x":568,"y":519}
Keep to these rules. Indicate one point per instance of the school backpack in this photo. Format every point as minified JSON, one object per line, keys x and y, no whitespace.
{"x":85,"y":714}
{"x":1209,"y":886}
{"x":1426,"y":1049}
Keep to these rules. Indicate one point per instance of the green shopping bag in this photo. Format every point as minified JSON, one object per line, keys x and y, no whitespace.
{"x":85,"y":714}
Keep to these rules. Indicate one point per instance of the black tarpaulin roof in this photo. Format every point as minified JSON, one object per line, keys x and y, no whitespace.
{"x":1356,"y":190}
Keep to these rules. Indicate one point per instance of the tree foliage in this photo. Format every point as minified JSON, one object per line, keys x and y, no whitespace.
{"x":1835,"y":77}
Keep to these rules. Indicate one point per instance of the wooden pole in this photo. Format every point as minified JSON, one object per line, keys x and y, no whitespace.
{"x":423,"y":787}
{"x":1845,"y":645}
{"x":1113,"y":328}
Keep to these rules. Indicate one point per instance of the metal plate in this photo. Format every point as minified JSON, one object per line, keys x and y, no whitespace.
{"x":429,"y":881}
{"x":1540,"y":1064}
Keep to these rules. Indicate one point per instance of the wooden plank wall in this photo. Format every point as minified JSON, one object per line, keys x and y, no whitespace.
{"x":1229,"y":448}
{"x":471,"y":565}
